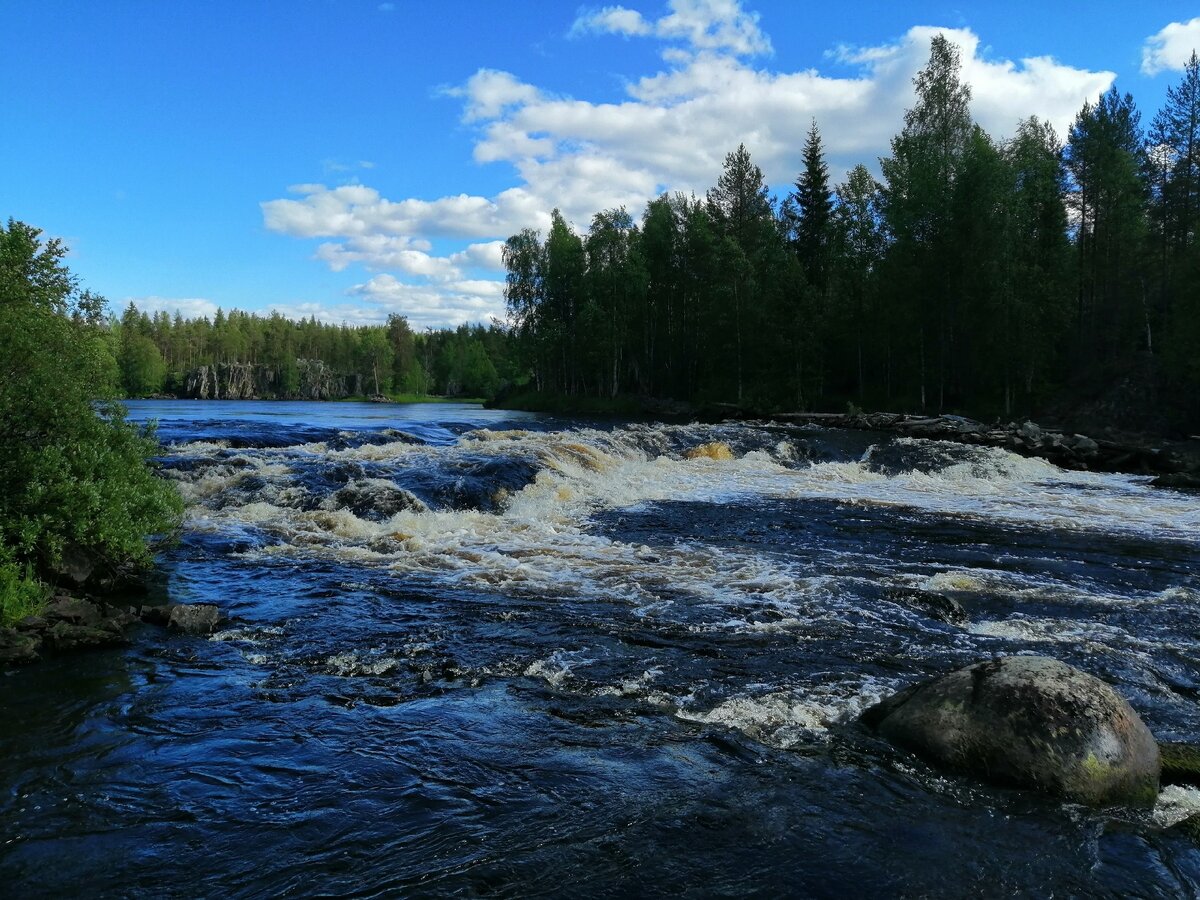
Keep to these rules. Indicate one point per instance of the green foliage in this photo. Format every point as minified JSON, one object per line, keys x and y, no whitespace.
{"x":74,"y":473}
{"x":21,"y":594}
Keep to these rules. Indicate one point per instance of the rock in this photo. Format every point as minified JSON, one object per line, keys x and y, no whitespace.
{"x":930,"y":603}
{"x":33,"y":623}
{"x":17,"y":648}
{"x":155,"y":615}
{"x":75,"y":565}
{"x":194,"y":618}
{"x":1179,"y":481}
{"x":1180,"y":763}
{"x":65,"y":636}
{"x":1083,"y":444}
{"x":72,"y":610}
{"x":1030,"y":432}
{"x":377,"y":500}
{"x":1028,"y":721}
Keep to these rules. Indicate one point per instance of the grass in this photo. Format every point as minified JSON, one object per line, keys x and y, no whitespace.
{"x":21,"y":594}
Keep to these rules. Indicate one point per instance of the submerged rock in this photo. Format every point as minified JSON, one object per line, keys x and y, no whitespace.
{"x":930,"y":603}
{"x":1028,"y":721}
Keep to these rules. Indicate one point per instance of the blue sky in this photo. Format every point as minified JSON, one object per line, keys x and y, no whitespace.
{"x":353,"y":159}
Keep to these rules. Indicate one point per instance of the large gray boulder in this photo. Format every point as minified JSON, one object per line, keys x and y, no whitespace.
{"x":1028,"y":721}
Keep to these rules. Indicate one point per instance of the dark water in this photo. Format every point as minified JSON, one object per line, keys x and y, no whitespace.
{"x":475,"y":653}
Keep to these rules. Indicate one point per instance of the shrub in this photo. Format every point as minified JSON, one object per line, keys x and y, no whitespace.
{"x":73,"y":472}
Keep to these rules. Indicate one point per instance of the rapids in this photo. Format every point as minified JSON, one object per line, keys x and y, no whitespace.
{"x":477,"y":652}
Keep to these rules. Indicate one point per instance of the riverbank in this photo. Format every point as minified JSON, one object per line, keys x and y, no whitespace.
{"x":1177,"y":462}
{"x":71,"y":622}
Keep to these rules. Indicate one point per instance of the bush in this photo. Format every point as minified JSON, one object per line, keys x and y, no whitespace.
{"x":21,"y":594}
{"x":73,"y":472}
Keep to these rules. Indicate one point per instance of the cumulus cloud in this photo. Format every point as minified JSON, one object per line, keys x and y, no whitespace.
{"x":452,"y":303}
{"x":670,"y":132}
{"x":700,"y":24}
{"x":188,"y":307}
{"x":1171,"y":48}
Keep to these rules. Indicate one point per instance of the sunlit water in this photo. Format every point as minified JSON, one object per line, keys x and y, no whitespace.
{"x":487,"y":653}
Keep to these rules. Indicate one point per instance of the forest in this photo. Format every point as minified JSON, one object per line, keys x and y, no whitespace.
{"x":974,"y":275}
{"x":155,"y":354}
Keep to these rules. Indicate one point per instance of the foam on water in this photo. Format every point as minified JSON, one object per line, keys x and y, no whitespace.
{"x":785,"y":718}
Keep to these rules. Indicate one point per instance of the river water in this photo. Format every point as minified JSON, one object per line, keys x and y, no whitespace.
{"x":483,"y":653}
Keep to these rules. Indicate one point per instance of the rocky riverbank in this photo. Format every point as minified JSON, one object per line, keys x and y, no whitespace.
{"x":70,"y":623}
{"x":1177,"y":463}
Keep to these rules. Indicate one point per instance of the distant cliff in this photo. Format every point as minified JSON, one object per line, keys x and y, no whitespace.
{"x":313,"y":380}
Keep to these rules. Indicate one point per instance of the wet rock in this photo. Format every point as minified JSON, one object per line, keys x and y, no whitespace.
{"x":72,"y":610}
{"x":18,"y":648}
{"x":1178,"y":481}
{"x":1028,"y":721}
{"x":194,"y":618}
{"x":375,"y":500}
{"x":1180,"y":763}
{"x":930,"y":603}
{"x":155,"y":614}
{"x":65,"y":636}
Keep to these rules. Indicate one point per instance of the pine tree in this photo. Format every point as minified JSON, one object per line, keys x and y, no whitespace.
{"x":813,"y":202}
{"x":919,"y":179}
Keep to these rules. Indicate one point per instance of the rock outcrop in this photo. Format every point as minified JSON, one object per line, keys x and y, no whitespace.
{"x":314,"y":380}
{"x":1068,"y":450}
{"x":69,"y":623}
{"x":1028,"y":721}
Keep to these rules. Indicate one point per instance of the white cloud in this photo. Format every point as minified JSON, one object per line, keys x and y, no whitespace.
{"x":671,"y":132}
{"x":453,"y":303}
{"x":1172,"y":47}
{"x":702,"y":24}
{"x":188,"y":307}
{"x":613,"y":20}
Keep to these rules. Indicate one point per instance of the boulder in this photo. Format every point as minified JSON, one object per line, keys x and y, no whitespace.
{"x":1028,"y":721}
{"x":17,"y":648}
{"x":194,"y":618}
{"x":72,"y":610}
{"x":65,"y":636}
{"x":75,"y":565}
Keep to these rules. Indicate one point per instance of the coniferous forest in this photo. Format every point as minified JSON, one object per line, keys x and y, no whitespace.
{"x":1034,"y":274}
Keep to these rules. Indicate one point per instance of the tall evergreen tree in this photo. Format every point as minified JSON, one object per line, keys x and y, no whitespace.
{"x":813,"y":201}
{"x":919,"y":179}
{"x":1108,"y":193}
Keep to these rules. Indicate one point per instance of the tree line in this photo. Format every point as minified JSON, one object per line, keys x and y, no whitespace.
{"x":156,"y":353}
{"x":977,"y":275}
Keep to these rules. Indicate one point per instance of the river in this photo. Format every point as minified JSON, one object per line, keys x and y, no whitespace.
{"x":484,"y":653}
